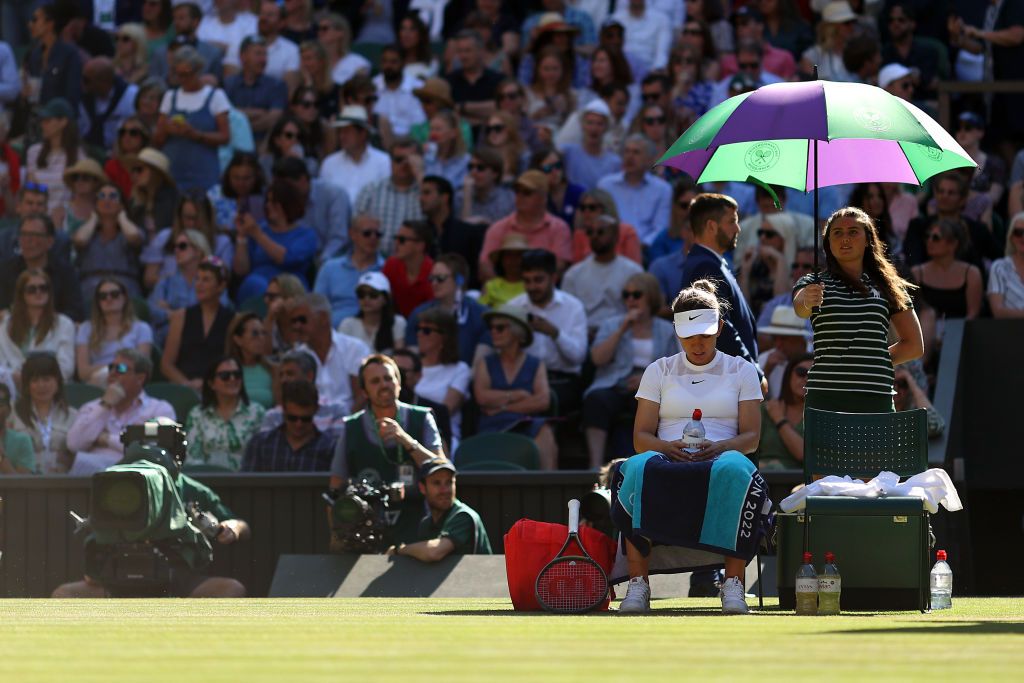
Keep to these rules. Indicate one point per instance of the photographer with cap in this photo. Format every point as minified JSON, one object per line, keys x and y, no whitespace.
{"x":386,"y":442}
{"x":185,"y":581}
{"x":450,"y":526}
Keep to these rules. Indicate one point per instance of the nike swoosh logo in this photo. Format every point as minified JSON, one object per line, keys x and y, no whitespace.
{"x":696,"y":381}
{"x":694,"y":317}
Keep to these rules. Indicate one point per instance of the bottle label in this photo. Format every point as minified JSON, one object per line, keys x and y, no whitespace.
{"x":807,"y":585}
{"x":829,"y":584}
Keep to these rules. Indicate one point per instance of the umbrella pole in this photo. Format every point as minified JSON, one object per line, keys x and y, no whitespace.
{"x":816,"y":228}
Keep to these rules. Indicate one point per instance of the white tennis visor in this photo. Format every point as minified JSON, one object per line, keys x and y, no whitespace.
{"x":697,"y":321}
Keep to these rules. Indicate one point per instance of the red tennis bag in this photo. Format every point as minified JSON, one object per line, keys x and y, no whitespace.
{"x":530,"y":545}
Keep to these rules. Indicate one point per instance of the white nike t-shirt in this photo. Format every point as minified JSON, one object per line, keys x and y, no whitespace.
{"x":679,"y":387}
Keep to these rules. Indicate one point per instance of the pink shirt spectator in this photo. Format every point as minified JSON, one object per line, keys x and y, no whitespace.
{"x":628,"y":245}
{"x":94,"y":418}
{"x":552,"y":234}
{"x":775,"y":61}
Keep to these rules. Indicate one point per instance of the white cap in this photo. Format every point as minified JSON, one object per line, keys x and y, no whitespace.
{"x":697,"y":321}
{"x":374,"y":280}
{"x":597,"y":106}
{"x":892,"y":72}
{"x":838,"y":12}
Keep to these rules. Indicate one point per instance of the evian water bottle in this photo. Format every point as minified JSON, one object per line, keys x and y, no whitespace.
{"x":693,"y":433}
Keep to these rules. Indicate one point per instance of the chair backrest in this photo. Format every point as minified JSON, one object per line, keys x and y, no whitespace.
{"x":78,"y":395}
{"x":204,"y":468}
{"x":254,"y":304}
{"x":142,"y":311}
{"x":182,"y":398}
{"x":864,"y":444}
{"x":497,"y":447}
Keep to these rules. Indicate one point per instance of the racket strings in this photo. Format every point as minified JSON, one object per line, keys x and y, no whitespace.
{"x":572,"y":585}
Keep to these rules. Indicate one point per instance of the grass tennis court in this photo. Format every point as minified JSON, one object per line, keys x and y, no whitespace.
{"x":483,"y":640}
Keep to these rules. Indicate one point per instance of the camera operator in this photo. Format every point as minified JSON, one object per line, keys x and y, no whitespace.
{"x":450,"y":526}
{"x":386,"y":442}
{"x":185,"y":582}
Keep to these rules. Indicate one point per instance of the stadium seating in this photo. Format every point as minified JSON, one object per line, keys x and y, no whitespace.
{"x":78,"y":394}
{"x":497,"y":451}
{"x":182,"y":398}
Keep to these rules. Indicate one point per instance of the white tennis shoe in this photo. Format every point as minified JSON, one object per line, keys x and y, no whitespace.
{"x":734,"y":598}
{"x":638,"y":596}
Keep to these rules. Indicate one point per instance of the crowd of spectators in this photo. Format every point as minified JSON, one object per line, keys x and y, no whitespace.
{"x":246,"y":198}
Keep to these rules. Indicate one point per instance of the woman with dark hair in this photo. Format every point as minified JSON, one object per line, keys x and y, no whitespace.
{"x":691,"y":88}
{"x":42,"y":413}
{"x":858,"y":279}
{"x":550,"y":97}
{"x":193,"y":123}
{"x":871,"y":198}
{"x":154,"y":192}
{"x":132,"y":136}
{"x":112,"y":326}
{"x":713,"y":14}
{"x":784,"y":28}
{"x":418,"y":62}
{"x":60,"y":148}
{"x":108,"y":244}
{"x":697,"y":35}
{"x":444,"y":379}
{"x":624,"y":346}
{"x":951,"y":287}
{"x":563,"y":196}
{"x":607,"y":65}
{"x":316,"y":75}
{"x":219,"y":428}
{"x":408,"y":267}
{"x":304,"y":108}
{"x":248,"y":343}
{"x":279,"y":244}
{"x":34,"y":325}
{"x":554,"y":37}
{"x":376,"y":324}
{"x":156,"y":20}
{"x":287,"y":138}
{"x":240,"y":190}
{"x":194,"y":212}
{"x":781,"y":446}
{"x":16,"y":455}
{"x":510,"y":98}
{"x":198,"y":328}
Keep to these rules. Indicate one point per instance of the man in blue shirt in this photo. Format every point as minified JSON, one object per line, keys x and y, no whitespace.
{"x":260,"y":97}
{"x":338,"y":277}
{"x":643,"y":199}
{"x":715,"y":224}
{"x":328,"y":210}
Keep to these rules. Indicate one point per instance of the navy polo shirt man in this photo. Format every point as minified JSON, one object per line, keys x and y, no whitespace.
{"x":260,"y":97}
{"x":715,"y":224}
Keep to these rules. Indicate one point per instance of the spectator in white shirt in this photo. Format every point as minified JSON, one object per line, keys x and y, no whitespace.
{"x":282,"y":54}
{"x":597,"y":281}
{"x":356,"y":164}
{"x":339,"y":355}
{"x":559,"y":322}
{"x":394,"y":92}
{"x":227,"y":28}
{"x":648,"y":33}
{"x":335,"y":34}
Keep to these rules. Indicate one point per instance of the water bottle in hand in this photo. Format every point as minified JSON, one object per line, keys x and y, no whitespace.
{"x":941,"y":582}
{"x":693,"y":433}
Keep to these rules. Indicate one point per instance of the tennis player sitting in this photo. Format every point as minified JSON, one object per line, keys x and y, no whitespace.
{"x":727,"y":391}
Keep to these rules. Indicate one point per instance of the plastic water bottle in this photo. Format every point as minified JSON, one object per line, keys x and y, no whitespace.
{"x":830,"y":585}
{"x":693,"y":433}
{"x":806,"y":588}
{"x":941,"y":582}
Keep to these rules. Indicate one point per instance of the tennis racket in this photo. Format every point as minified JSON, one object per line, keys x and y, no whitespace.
{"x":571,"y":584}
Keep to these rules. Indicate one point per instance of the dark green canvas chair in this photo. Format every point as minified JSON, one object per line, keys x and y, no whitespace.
{"x":881,"y":544}
{"x":496,"y":451}
{"x":77,"y":395}
{"x":182,"y":398}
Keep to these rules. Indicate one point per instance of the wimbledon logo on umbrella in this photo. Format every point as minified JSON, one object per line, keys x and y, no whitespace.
{"x":872,"y":119}
{"x":762,"y":156}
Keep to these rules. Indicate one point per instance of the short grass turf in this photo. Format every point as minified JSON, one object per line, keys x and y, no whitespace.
{"x":980,"y":639}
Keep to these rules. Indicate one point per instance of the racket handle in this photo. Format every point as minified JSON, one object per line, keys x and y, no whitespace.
{"x":574,"y":516}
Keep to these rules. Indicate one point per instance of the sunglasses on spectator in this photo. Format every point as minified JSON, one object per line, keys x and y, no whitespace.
{"x":137,"y":169}
{"x":511,"y":95}
{"x":29,"y":234}
{"x":271,"y":296}
{"x":525,"y":191}
{"x":632,"y":294}
{"x":37,"y":289}
{"x":935,"y":237}
{"x":496,"y":128}
{"x":1018,"y":232}
{"x":36,"y":187}
{"x":402,"y":239}
{"x":306,"y":104}
{"x":133,"y":132}
{"x":749,"y":66}
{"x":109,"y":295}
{"x":588,"y":207}
{"x":320,"y":28}
{"x":299,"y":320}
{"x":401,"y":159}
{"x":368,"y":294}
{"x":111,"y":194}
{"x":424,"y":329}
{"x":437,"y":279}
{"x":118,"y":368}
{"x":292,"y":417}
{"x":651,"y":96}
{"x":967,"y":127}
{"x":553,"y":166}
{"x":371,"y":233}
{"x":898,"y":19}
{"x":124,"y":38}
{"x":498,"y":327}
{"x":477,"y":167}
{"x":182,"y":246}
{"x":801,"y":371}
{"x":289,"y":135}
{"x":654,"y":120}
{"x":228,"y":375}
{"x":767,"y":233}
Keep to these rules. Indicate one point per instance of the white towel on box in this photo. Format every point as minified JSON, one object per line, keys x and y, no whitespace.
{"x":933,"y":487}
